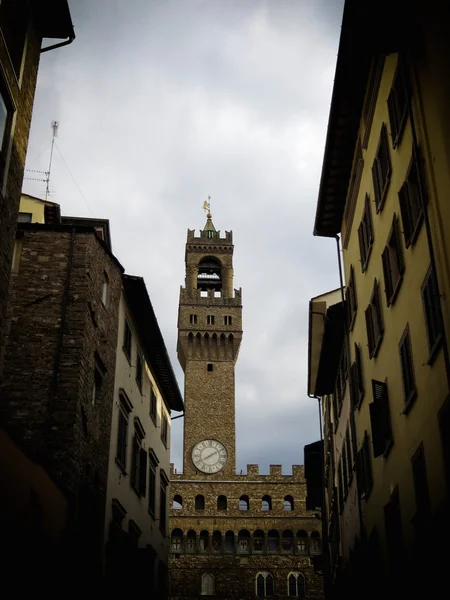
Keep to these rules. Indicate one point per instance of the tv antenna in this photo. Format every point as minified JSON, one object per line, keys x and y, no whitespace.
{"x":55,"y":125}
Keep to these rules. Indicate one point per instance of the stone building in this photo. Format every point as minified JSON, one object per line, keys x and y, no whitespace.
{"x":231,"y":536}
{"x":381,"y":354}
{"x":23,"y":25}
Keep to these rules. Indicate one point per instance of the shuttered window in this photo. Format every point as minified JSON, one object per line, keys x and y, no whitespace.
{"x":374,"y":322}
{"x":412,"y":197}
{"x":381,"y":169}
{"x":365,"y":234}
{"x":407,"y":366}
{"x":380,"y":419}
{"x":350,"y":299}
{"x":364,"y":468}
{"x":398,"y":104}
{"x":433,"y":316}
{"x":393,"y":263}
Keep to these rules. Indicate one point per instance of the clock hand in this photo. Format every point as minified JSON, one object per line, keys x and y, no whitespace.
{"x":209,"y":455}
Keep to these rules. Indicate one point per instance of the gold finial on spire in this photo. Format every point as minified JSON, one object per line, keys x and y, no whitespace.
{"x":207,"y":207}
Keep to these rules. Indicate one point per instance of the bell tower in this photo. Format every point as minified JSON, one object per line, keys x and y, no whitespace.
{"x":209,"y":337}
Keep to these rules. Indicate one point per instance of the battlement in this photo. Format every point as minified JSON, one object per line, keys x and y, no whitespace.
{"x":210,"y":237}
{"x":275,"y":474}
{"x":209,"y":298}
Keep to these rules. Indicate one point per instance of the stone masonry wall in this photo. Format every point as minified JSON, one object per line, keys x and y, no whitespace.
{"x":22,"y":96}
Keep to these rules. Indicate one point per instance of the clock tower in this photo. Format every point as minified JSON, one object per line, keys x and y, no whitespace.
{"x":209,"y":337}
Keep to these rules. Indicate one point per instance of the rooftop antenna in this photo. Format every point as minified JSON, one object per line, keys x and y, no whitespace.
{"x":55,"y":125}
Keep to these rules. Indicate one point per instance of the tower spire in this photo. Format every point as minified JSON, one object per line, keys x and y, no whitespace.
{"x":207,"y":207}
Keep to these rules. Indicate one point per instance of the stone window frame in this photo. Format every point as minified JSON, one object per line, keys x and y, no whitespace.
{"x":208,"y":585}
{"x":300,"y":590}
{"x":264,"y":578}
{"x":288,"y":503}
{"x":210,"y":319}
{"x":266,"y":503}
{"x":244,"y":503}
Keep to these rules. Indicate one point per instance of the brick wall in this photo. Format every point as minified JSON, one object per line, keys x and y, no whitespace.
{"x":56,"y":324}
{"x":22,"y":95}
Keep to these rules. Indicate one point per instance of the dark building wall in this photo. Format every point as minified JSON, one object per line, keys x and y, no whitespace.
{"x":58,"y":330}
{"x":20,"y":91}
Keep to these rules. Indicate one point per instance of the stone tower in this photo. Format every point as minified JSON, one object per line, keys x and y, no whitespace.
{"x":209,"y":337}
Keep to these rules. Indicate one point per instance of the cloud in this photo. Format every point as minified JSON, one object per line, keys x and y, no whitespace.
{"x":163,"y":103}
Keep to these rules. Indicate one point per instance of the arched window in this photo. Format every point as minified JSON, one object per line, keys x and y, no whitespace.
{"x":273,"y":540}
{"x":208,"y":584}
{"x":222,"y":503}
{"x":229,"y":541}
{"x":315,"y":545}
{"x":209,"y":274}
{"x":244,"y":503}
{"x":296,"y":584}
{"x":191,"y":541}
{"x":287,"y":541}
{"x":258,"y":541}
{"x":204,"y":540}
{"x":199,"y":502}
{"x":177,"y":502}
{"x":176,"y":540}
{"x":266,"y":503}
{"x":302,"y":542}
{"x":288,"y":503}
{"x":244,"y":541}
{"x":216,"y":541}
{"x":264,"y":584}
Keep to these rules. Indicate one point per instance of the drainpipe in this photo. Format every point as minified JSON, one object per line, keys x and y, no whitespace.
{"x":59,"y":44}
{"x":406,"y":62}
{"x":352,"y":412}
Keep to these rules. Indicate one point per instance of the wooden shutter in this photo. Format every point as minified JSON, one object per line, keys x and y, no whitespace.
{"x":387,"y":272}
{"x":142,"y":472}
{"x":376,"y":181}
{"x":362,"y":246}
{"x":359,"y":372}
{"x":403,"y":197}
{"x":369,"y":328}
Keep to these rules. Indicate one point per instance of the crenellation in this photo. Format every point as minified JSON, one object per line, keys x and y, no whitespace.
{"x":275,"y":471}
{"x":214,"y":236}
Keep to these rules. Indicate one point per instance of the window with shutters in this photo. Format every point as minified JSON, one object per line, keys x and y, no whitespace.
{"x":365,"y":234}
{"x":125,"y":408}
{"x":139,"y":460}
{"x":370,"y":100}
{"x":356,"y":379}
{"x":364,"y":468}
{"x":153,"y":464}
{"x":165,"y":430}
{"x":398,"y":104}
{"x":433,"y":317}
{"x":412,"y":197}
{"x":381,"y":169}
{"x":139,"y":369}
{"x":341,"y":380}
{"x":164,"y":482}
{"x":127,"y":340}
{"x":421,"y":490}
{"x":380,"y":419}
{"x":344,"y":470}
{"x":407,"y":366}
{"x":394,"y":532}
{"x":393,"y":264}
{"x":153,"y":409}
{"x":341,"y":486}
{"x":350,"y":299}
{"x":374,"y":322}
{"x":349,"y":455}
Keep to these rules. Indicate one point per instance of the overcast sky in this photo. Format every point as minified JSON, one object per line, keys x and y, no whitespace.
{"x":164,"y":102}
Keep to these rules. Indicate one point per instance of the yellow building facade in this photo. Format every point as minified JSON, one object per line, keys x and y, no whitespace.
{"x":384,"y":193}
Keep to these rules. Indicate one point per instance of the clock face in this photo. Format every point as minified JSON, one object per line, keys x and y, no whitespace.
{"x":209,"y":456}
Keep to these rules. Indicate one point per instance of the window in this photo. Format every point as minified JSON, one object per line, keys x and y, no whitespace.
{"x":127,"y":340}
{"x":412,"y":197}
{"x":208,"y":581}
{"x":105,"y":290}
{"x":406,"y":361}
{"x":222,"y":503}
{"x":153,"y":404}
{"x":419,"y":470}
{"x":433,"y":318}
{"x":244,"y":503}
{"x":287,"y":541}
{"x":398,"y":104}
{"x":357,"y":382}
{"x":229,"y":541}
{"x":177,"y":502}
{"x":99,"y":374}
{"x":164,"y":430}
{"x":393,"y":264}
{"x":210,"y":319}
{"x":14,"y":26}
{"x":193,"y":319}
{"x":394,"y":533}
{"x":372,"y":96}
{"x":227,"y":320}
{"x":364,"y":468}
{"x":381,"y":169}
{"x":6,"y":113}
{"x":164,"y":482}
{"x":365,"y":234}
{"x":266,"y":503}
{"x":204,"y":541}
{"x":264,"y":584}
{"x":176,"y":541}
{"x":374,"y":322}
{"x":380,"y":419}
{"x":139,"y":460}
{"x":349,"y":454}
{"x":153,"y":463}
{"x":296,"y":585}
{"x":125,"y":408}
{"x":350,"y":297}
{"x":210,"y":234}
{"x":199,"y":502}
{"x":209,"y":367}
{"x":273,"y":541}
{"x":288,"y":503}
{"x":24,"y":217}
{"x":139,"y":369}
{"x":341,"y":381}
{"x":302,"y":542}
{"x":258,"y":540}
{"x":216,"y":541}
{"x":191,"y":541}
